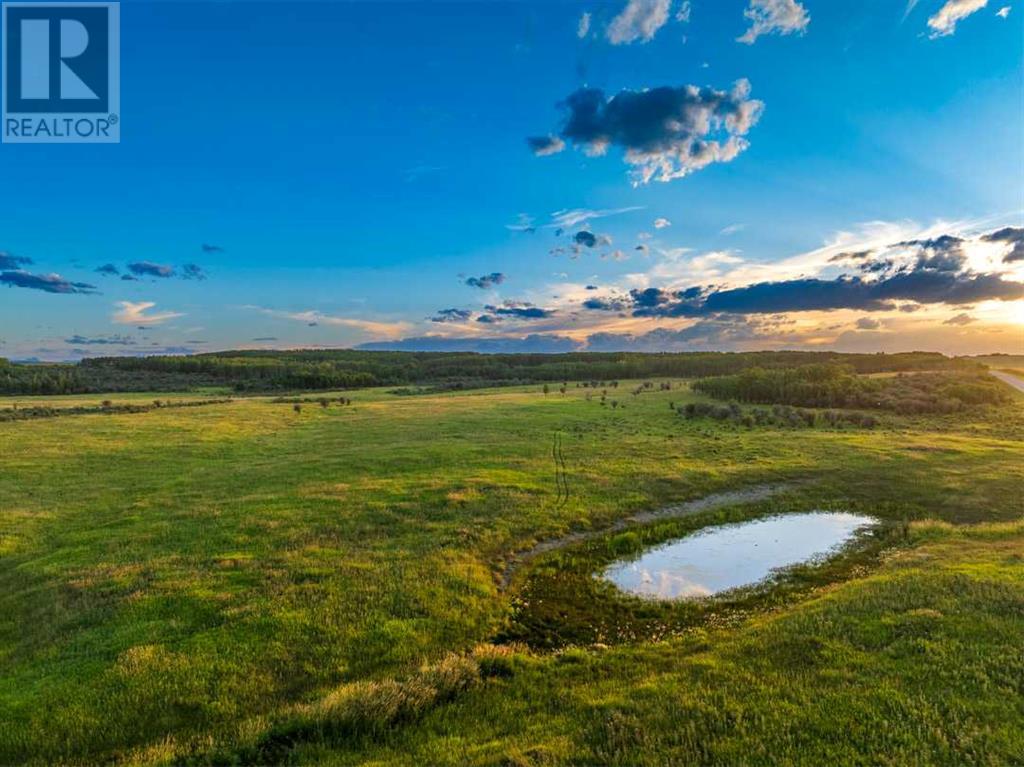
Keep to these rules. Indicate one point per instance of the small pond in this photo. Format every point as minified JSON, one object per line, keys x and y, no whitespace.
{"x":729,"y":556}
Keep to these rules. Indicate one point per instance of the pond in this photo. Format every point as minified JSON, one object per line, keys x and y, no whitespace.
{"x":729,"y":556}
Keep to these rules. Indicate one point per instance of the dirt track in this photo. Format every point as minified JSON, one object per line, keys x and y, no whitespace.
{"x":689,"y":508}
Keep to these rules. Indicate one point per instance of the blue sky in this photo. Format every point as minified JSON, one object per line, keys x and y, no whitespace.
{"x":350,"y":165}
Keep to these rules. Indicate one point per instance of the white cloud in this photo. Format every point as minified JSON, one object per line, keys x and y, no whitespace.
{"x":944,"y":22}
{"x":524,"y":223}
{"x":567,"y":219}
{"x":683,"y":14}
{"x":639,"y":20}
{"x":732,"y":229}
{"x":370,"y":327}
{"x":134,"y":313}
{"x":1003,"y":12}
{"x":584,"y":26}
{"x":781,"y":17}
{"x":661,"y":223}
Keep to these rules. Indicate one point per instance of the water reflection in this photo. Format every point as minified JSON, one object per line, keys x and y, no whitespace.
{"x":729,"y":556}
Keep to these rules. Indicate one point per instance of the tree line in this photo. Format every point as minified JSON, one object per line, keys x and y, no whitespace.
{"x":839,"y":386}
{"x":317,"y":369}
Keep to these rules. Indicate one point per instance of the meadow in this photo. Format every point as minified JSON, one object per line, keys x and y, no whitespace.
{"x":261,"y":581}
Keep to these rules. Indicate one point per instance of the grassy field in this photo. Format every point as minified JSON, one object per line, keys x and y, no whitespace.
{"x":244,"y":583}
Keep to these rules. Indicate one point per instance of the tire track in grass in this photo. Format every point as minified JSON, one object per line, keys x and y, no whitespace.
{"x":687,"y":509}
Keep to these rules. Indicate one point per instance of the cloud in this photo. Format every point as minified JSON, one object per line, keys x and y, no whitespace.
{"x":584,"y":26}
{"x":590,"y":240}
{"x":520,"y":310}
{"x":960,"y":319}
{"x":683,"y":14}
{"x":934,"y":269}
{"x":661,"y":223}
{"x":134,"y":313}
{"x":452,"y":315}
{"x":1012,"y":235}
{"x":1003,"y":12}
{"x":850,"y":255}
{"x":944,"y":22}
{"x":114,"y":340}
{"x":487,"y":281}
{"x":665,"y":133}
{"x":129,"y":278}
{"x":779,"y":17}
{"x":542,"y":146}
{"x":265,"y":338}
{"x":7,"y":261}
{"x":149,"y":269}
{"x":868,"y":323}
{"x":718,"y":332}
{"x":192,"y":272}
{"x":607,"y":304}
{"x":924,"y":286}
{"x":639,"y":20}
{"x":524,"y":223}
{"x":531,"y":344}
{"x":567,"y":219}
{"x":212,"y":248}
{"x":48,"y":283}
{"x":108,"y":270}
{"x":313,"y":318}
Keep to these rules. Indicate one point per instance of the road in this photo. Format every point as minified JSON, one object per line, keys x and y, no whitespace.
{"x":1015,"y":382}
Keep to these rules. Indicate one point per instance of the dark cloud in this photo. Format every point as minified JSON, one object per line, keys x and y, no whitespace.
{"x":487,"y":319}
{"x":961,"y":319}
{"x":49,"y":283}
{"x":853,"y":255}
{"x":944,"y":253}
{"x":877,"y":267}
{"x":607,"y":304}
{"x":1012,"y":235}
{"x":149,"y":269}
{"x":265,"y":338}
{"x":108,"y":270}
{"x":930,"y":281}
{"x":868,"y":323}
{"x":591,"y":287}
{"x":115,"y":340}
{"x":129,"y":278}
{"x":520,"y":310}
{"x":665,"y":132}
{"x":212,"y":248}
{"x":192,"y":272}
{"x":590,"y":240}
{"x":486,"y":281}
{"x":452,"y":315}
{"x":531,"y":344}
{"x":7,"y":261}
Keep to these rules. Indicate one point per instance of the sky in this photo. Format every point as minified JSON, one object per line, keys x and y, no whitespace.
{"x":650,"y":175}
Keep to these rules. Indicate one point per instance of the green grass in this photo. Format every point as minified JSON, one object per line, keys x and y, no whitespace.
{"x":245,"y":582}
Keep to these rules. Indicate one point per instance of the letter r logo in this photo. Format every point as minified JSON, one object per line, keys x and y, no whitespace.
{"x":36,"y":61}
{"x":57,"y":57}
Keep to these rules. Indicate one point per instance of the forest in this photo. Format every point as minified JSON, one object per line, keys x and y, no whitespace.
{"x":263,"y":371}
